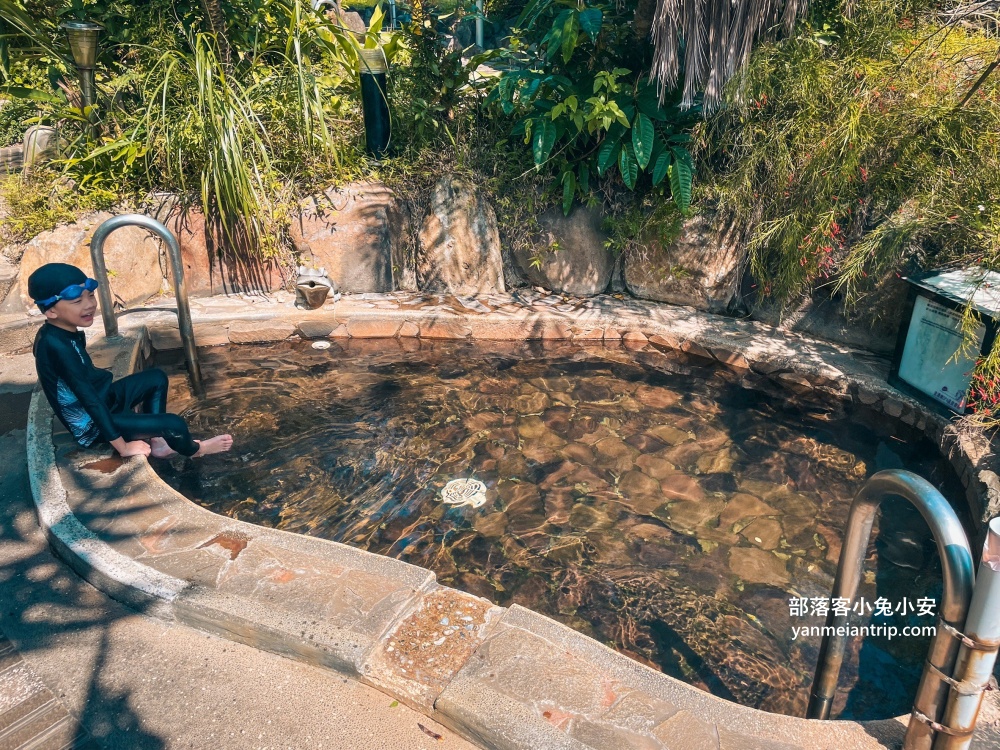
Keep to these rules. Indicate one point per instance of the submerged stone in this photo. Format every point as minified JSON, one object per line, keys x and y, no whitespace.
{"x":758,"y":566}
{"x":763,"y":532}
{"x":688,"y":517}
{"x":669,"y":434}
{"x":744,"y":507}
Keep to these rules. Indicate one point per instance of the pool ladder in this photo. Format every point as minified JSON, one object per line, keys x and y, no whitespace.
{"x":931,"y":707}
{"x":183,"y":309}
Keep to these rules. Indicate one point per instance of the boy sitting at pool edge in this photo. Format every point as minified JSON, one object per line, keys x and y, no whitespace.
{"x":93,"y":408}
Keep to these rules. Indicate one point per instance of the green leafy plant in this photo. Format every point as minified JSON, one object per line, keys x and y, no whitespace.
{"x":437,"y":83}
{"x":850,"y":158}
{"x":15,"y":116}
{"x":584,"y":118}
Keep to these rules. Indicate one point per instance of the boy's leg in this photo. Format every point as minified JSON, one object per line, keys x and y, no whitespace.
{"x":147,"y":387}
{"x":170,"y":427}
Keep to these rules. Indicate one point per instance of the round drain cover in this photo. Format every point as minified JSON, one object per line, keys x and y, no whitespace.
{"x":464,"y":492}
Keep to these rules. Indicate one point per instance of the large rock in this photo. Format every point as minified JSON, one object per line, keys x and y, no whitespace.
{"x":572,"y":254}
{"x":210,"y":265}
{"x":42,"y":143}
{"x":872,"y":324}
{"x":459,"y":243}
{"x":699,"y":268}
{"x":358,"y":234}
{"x":131,"y":255}
{"x":349,"y":20}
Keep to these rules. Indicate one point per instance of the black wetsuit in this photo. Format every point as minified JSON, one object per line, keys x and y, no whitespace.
{"x":95,"y":409}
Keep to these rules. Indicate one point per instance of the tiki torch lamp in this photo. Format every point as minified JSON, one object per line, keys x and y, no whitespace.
{"x":82,"y":37}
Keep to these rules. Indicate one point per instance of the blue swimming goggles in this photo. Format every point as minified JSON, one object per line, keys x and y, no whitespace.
{"x":74,"y":291}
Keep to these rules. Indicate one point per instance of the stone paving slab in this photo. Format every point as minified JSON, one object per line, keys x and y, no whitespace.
{"x":518,"y":679}
{"x":532,"y":669}
{"x":31,"y":717}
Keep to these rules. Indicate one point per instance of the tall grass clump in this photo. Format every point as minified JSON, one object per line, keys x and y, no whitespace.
{"x":847,"y":152}
{"x":229,"y":131}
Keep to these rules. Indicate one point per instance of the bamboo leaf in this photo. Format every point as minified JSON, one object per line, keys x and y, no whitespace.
{"x":35,"y":95}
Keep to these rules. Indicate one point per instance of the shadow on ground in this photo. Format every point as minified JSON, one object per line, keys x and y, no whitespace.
{"x":44,"y":602}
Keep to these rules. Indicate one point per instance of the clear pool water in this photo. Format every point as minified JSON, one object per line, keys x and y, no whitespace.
{"x":667,"y":508}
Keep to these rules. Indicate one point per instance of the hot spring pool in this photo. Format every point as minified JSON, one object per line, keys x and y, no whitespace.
{"x":657,"y":504}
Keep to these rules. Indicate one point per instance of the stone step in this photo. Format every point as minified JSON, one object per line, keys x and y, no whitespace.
{"x":12,"y":159}
{"x":31,"y":718}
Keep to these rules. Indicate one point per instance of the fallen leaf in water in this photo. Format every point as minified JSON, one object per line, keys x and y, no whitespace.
{"x":430,"y":733}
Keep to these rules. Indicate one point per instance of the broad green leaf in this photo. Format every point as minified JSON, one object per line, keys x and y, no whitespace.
{"x":660,"y":167}
{"x":590,"y":21}
{"x":628,"y":166}
{"x":681,"y":176}
{"x":649,"y":102}
{"x":35,"y":95}
{"x":569,"y":191}
{"x":642,"y":139}
{"x":617,"y":114}
{"x":542,"y":141}
{"x":553,"y":40}
{"x":569,"y":37}
{"x":607,"y":154}
{"x":584,"y":179}
{"x":552,"y":43}
{"x":374,"y":27}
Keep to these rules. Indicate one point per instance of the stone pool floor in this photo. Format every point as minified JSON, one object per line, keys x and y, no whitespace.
{"x":113,"y":678}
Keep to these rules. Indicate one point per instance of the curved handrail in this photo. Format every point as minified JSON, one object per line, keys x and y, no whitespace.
{"x":180,"y":289}
{"x":956,"y":569}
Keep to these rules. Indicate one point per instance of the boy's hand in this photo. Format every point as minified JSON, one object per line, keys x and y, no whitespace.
{"x":132,"y":448}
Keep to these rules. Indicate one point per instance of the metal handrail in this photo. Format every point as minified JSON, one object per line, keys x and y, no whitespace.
{"x":956,"y":569}
{"x":183,"y":308}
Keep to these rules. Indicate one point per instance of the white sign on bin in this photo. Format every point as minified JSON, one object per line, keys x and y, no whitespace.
{"x":932,"y":361}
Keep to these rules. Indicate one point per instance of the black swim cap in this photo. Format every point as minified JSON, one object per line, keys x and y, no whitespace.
{"x":51,"y":279}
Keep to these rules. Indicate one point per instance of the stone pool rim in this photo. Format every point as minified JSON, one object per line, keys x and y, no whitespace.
{"x":467,"y":698}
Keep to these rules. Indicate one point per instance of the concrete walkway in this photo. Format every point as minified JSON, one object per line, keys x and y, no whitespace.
{"x":79,"y":670}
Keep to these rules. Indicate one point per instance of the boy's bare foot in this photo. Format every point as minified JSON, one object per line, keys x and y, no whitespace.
{"x":159,"y":448}
{"x":218,"y":444}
